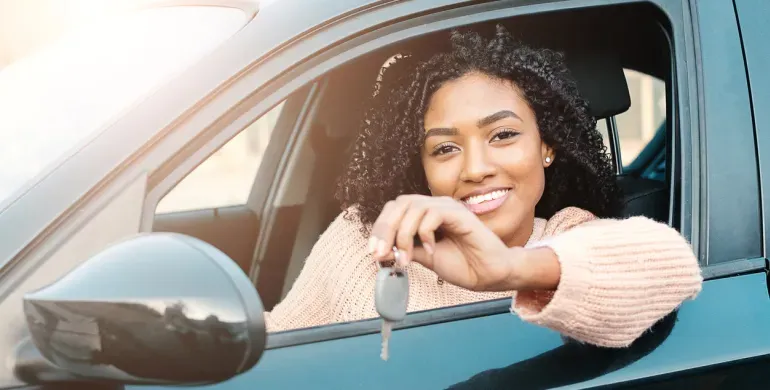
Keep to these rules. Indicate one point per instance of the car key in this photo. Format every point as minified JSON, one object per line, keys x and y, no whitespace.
{"x":391,"y":298}
{"x":386,"y":331}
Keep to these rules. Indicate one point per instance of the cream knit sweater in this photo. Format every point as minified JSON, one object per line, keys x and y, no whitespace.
{"x":618,"y":277}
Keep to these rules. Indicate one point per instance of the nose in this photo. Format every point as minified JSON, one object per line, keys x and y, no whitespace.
{"x":477,"y":164}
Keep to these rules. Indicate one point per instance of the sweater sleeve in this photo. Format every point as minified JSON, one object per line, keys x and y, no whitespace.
{"x":618,"y":278}
{"x":309,"y":302}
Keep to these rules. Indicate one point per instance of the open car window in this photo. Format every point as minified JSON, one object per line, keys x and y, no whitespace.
{"x":303,"y":204}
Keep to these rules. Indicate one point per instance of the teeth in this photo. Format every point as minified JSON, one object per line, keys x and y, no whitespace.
{"x":486,"y":197}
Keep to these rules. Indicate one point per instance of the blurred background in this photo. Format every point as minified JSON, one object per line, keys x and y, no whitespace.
{"x":26,"y":25}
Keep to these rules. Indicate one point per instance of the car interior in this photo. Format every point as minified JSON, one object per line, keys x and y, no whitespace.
{"x":598,"y":42}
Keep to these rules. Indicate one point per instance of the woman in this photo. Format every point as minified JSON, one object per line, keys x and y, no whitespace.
{"x":490,"y":144}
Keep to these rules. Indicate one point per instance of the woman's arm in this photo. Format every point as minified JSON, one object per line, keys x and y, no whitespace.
{"x":309,"y":303}
{"x":614,"y":279}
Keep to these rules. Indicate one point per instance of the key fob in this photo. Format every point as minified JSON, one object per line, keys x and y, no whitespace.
{"x":391,"y":295}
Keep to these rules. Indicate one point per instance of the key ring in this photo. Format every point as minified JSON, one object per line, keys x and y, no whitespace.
{"x":396,"y":256}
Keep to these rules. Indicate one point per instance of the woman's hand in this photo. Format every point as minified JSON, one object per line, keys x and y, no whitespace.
{"x":470,"y":255}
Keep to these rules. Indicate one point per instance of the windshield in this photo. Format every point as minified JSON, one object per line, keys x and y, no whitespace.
{"x":57,"y":98}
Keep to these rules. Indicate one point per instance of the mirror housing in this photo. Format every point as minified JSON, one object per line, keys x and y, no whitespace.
{"x":158,"y":308}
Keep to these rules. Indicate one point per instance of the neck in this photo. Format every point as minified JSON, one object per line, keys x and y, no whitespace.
{"x":520,"y":237}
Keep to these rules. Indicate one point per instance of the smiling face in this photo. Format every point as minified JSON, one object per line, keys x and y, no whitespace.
{"x":483,"y":147}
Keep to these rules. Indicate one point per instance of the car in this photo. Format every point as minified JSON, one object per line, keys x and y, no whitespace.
{"x":164,"y":173}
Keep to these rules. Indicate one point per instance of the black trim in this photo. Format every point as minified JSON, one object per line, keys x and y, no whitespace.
{"x":359,"y":328}
{"x":734,"y":268}
{"x":612,"y":131}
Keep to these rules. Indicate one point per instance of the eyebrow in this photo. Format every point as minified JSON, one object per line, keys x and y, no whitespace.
{"x":487,"y":120}
{"x":438,"y":131}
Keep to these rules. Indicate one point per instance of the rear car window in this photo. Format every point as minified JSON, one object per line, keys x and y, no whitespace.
{"x":646,"y":116}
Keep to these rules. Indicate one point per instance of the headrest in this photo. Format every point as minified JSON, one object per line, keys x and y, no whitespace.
{"x":601,"y":81}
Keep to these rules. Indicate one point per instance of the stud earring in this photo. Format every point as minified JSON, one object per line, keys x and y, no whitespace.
{"x":548,"y":160}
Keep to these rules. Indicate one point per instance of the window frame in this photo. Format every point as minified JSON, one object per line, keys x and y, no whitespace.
{"x":394,"y":30}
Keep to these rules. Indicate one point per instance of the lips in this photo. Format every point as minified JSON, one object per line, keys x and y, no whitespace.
{"x":486,"y":202}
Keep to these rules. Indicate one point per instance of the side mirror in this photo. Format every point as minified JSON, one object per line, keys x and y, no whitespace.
{"x":159,"y":308}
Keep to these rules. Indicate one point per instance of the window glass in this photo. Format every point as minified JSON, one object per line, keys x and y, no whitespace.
{"x":226,"y":177}
{"x":638,"y":125}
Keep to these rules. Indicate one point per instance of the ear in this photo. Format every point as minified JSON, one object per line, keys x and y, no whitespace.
{"x":546,"y":154}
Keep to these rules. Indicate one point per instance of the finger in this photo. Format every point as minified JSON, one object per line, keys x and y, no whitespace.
{"x":393,"y":260}
{"x":383,"y":229}
{"x":426,"y":230}
{"x":374,"y":241}
{"x":408,"y":229}
{"x":387,"y":223}
{"x":421,"y":256}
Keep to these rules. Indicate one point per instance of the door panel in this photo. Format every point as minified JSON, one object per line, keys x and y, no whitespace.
{"x":233,"y":230}
{"x":734,"y":230}
{"x":716,"y":341}
{"x":755,"y":33}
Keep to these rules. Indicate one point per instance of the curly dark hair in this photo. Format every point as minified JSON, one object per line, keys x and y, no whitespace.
{"x":386,"y":160}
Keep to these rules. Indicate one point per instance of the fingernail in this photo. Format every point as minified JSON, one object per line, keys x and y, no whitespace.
{"x":403,"y":259}
{"x":382,"y":248}
{"x":428,"y":248}
{"x":372,"y":244}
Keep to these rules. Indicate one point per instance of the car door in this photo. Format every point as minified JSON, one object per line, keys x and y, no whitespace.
{"x":484,"y":346}
{"x":447,"y":346}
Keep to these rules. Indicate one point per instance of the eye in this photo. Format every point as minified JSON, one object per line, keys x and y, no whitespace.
{"x":504,"y":134}
{"x":444,"y":148}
